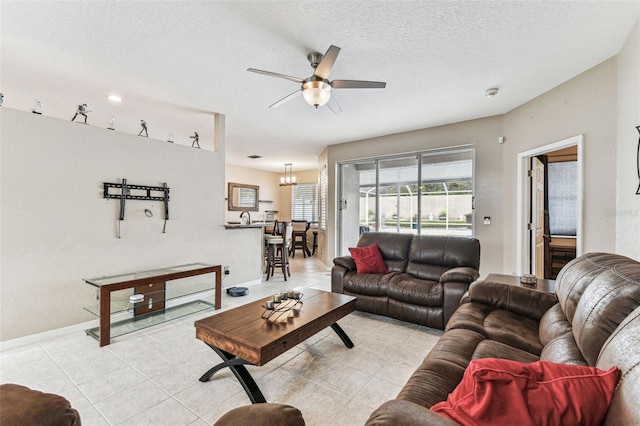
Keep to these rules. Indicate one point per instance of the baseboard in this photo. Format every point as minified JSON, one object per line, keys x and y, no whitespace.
{"x":81,"y":327}
{"x":46,"y":335}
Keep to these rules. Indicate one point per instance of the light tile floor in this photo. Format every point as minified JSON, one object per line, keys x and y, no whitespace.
{"x":151,"y":377}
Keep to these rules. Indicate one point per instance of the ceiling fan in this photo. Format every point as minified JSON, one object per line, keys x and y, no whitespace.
{"x":316,"y":89}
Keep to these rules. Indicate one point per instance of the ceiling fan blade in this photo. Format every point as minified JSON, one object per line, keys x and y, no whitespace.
{"x":286,"y":99}
{"x":333,"y":104}
{"x":324,"y":67}
{"x":275,"y":74}
{"x":357,"y":84}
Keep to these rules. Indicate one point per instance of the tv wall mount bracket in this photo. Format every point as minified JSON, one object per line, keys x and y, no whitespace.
{"x":124,"y":191}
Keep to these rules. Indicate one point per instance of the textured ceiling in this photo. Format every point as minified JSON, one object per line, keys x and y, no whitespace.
{"x":177,"y":63}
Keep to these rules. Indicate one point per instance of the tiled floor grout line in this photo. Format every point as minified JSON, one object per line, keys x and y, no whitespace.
{"x":169,"y":346}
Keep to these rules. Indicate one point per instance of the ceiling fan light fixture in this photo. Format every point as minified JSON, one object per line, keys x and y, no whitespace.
{"x":316,"y":93}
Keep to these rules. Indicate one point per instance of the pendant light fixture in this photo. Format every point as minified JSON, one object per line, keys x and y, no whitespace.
{"x":288,"y":179}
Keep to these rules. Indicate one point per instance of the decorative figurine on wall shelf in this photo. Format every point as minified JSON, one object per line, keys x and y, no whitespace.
{"x":195,"y":138}
{"x":113,"y":118}
{"x":170,"y":140}
{"x":38,"y":108}
{"x":144,"y":129}
{"x":81,"y":110}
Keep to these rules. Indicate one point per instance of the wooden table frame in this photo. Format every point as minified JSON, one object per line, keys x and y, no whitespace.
{"x":241,"y":337}
{"x":107,"y":289}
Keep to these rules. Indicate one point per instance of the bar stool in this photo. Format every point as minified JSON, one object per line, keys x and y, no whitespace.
{"x":315,"y":243}
{"x":300,"y":228}
{"x":278,"y":251}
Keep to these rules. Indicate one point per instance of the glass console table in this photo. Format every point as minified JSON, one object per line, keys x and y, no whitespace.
{"x":145,"y":298}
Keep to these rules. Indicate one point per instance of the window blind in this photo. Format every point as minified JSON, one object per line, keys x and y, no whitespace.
{"x":563,"y":197}
{"x":304,"y":202}
{"x":322,"y":211}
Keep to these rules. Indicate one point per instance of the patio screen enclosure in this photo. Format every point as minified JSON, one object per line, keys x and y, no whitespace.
{"x":424,"y":193}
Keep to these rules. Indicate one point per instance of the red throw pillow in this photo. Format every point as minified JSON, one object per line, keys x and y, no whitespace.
{"x":503,"y":392}
{"x":368,"y":260}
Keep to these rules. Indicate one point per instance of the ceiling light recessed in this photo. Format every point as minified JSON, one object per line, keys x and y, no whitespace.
{"x":490,"y":93}
{"x":114,"y":98}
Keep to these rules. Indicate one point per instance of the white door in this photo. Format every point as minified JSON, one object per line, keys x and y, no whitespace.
{"x":538,"y":217}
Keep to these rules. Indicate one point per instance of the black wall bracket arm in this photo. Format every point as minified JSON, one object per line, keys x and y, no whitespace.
{"x":123,"y":191}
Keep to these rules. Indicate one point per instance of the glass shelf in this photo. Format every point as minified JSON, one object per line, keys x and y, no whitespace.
{"x":156,"y":273}
{"x":120,"y":328}
{"x":120,"y":299}
{"x":167,"y":293}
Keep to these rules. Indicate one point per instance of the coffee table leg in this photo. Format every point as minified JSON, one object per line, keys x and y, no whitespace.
{"x":236,"y":365}
{"x":343,"y":336}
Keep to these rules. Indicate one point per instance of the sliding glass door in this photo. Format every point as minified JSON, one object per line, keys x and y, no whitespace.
{"x":357,"y":202}
{"x":424,"y":193}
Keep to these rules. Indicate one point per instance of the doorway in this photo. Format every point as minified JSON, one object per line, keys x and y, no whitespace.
{"x":542,"y":248}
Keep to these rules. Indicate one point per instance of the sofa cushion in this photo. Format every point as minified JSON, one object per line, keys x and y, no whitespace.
{"x":622,"y":350}
{"x":495,"y":391}
{"x":553,"y":324}
{"x":563,"y":349}
{"x":407,"y":288}
{"x":432,"y":255}
{"x":368,"y":260}
{"x":394,"y":247}
{"x":611,"y":297}
{"x":499,"y":325}
{"x":367,"y":284}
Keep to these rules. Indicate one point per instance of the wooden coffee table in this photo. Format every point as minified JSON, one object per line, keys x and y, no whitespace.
{"x":240,"y":336}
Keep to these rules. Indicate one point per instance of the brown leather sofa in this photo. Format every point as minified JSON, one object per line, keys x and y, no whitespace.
{"x":20,"y":405}
{"x":594,"y":321}
{"x":428,"y":275}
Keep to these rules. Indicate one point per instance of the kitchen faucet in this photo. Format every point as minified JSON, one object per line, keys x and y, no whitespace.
{"x":245,"y":220}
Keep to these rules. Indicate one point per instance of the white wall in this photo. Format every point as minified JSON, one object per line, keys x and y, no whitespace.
{"x":56,"y":228}
{"x":482,"y":134}
{"x":628,"y":112}
{"x":270,"y":189}
{"x":584,"y":105}
{"x":603,"y":104}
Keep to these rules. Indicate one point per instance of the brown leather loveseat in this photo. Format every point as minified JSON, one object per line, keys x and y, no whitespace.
{"x":593,"y":321}
{"x":427,"y":278}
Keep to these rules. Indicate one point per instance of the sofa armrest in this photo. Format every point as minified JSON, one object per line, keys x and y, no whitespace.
{"x":267,"y":414}
{"x":520,"y":300}
{"x":341,"y":265}
{"x":463,"y":274}
{"x":401,"y":412}
{"x":345,"y":261}
{"x":454,"y":291}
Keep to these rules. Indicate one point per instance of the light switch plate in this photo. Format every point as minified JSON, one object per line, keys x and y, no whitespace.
{"x":487,"y":220}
